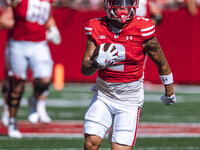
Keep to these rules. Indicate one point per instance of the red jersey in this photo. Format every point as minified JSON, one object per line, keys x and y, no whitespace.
{"x":129,"y":65}
{"x":30,"y":19}
{"x":143,"y":10}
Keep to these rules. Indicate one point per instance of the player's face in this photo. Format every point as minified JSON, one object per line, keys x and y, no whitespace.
{"x":122,"y":9}
{"x":122,"y":12}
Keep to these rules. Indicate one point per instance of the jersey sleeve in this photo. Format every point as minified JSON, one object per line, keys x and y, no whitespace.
{"x":88,"y":29}
{"x":92,"y":26}
{"x":146,"y":28}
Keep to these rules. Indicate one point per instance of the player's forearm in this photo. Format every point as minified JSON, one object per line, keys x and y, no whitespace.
{"x":51,"y":22}
{"x":154,"y":51}
{"x":88,"y":68}
{"x":169,"y":90}
{"x":53,"y":33}
{"x":192,"y":7}
{"x":6,"y":19}
{"x":166,"y":74}
{"x":163,"y":67}
{"x":6,"y":24}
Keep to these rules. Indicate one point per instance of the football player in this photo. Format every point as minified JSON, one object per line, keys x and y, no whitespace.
{"x":31,"y":25}
{"x":118,"y":92}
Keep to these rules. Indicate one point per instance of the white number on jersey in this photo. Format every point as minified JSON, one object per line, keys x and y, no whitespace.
{"x":38,"y":11}
{"x":121,"y":57}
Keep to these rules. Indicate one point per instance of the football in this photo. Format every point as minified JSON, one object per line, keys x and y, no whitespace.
{"x":105,"y":48}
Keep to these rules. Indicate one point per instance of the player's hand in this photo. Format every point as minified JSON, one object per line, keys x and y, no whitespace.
{"x":168,"y":100}
{"x":104,"y":59}
{"x":53,"y":35}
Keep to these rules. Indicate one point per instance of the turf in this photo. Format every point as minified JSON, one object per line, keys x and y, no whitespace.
{"x":71,"y":104}
{"x":77,"y":143}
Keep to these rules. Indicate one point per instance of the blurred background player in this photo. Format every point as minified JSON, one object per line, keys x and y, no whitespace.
{"x":149,"y":9}
{"x":31,"y":23}
{"x":118,"y":92}
{"x":192,"y":6}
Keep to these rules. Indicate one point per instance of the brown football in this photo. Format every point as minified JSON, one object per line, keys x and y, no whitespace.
{"x":105,"y":48}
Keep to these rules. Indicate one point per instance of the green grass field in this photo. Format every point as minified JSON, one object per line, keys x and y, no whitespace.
{"x":71,"y":104}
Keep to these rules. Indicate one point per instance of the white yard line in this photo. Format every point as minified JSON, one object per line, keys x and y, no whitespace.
{"x":139,"y":148}
{"x":149,"y":97}
{"x":85,"y":102}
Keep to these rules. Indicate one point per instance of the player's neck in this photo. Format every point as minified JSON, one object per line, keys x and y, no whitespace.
{"x":118,"y":24}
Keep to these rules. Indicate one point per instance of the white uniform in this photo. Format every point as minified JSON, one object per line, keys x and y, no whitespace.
{"x":117,"y":105}
{"x":23,"y":54}
{"x":27,"y":46}
{"x":143,"y":10}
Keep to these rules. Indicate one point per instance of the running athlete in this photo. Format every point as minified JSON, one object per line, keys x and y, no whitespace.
{"x":118,"y":92}
{"x":31,"y":24}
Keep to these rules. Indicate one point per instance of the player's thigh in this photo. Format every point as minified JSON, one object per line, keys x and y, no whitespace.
{"x":16,"y":60}
{"x":125,"y":126}
{"x":98,"y":118}
{"x":41,"y":62}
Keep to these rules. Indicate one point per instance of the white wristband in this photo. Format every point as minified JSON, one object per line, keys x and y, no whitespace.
{"x":166,"y":79}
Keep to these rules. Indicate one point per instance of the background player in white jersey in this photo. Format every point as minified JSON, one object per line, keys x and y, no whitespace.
{"x":118,"y":92}
{"x":149,"y":9}
{"x":30,"y":22}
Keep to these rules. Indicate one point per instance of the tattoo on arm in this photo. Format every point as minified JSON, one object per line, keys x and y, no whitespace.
{"x":87,"y":64}
{"x":154,"y":51}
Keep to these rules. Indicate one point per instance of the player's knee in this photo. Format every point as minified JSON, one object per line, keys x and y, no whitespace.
{"x":92,"y":142}
{"x":15,"y":93}
{"x":89,"y":145}
{"x":41,"y":86}
{"x":13,"y":98}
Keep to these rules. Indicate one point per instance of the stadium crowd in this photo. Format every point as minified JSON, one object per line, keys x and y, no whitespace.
{"x":85,"y":5}
{"x":97,"y":4}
